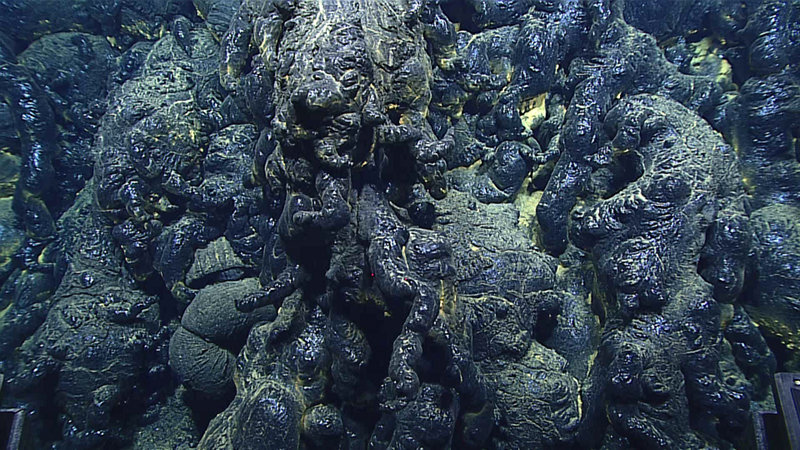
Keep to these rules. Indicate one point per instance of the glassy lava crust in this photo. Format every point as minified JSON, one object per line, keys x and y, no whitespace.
{"x":501,"y":224}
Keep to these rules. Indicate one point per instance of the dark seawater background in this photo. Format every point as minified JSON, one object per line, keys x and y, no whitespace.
{"x":463,"y":224}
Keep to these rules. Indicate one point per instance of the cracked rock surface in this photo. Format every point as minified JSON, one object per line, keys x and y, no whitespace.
{"x":398,"y":224}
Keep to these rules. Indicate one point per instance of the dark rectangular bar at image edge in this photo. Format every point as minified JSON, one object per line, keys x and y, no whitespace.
{"x":766,"y":432}
{"x":12,"y":427}
{"x":787,"y":386}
